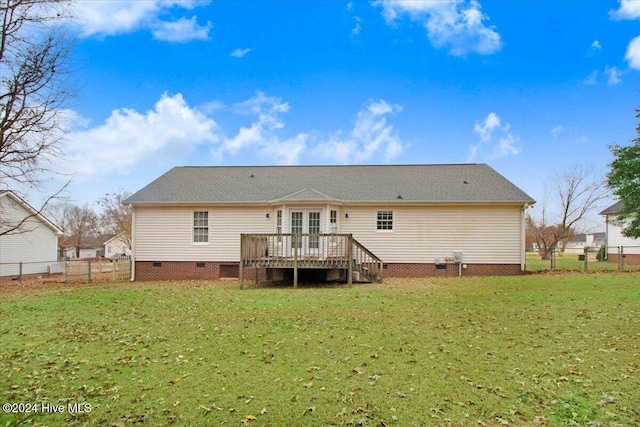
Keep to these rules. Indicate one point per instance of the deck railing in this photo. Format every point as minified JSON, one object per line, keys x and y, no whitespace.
{"x":307,"y":250}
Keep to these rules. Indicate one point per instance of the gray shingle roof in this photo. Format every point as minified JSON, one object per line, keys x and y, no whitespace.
{"x":614,"y":208}
{"x":379,"y":183}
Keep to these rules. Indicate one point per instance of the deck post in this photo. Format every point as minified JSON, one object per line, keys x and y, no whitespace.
{"x":349,"y":259}
{"x":241,"y":271}
{"x":295,"y":263}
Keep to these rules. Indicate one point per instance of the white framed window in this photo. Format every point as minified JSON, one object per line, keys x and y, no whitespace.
{"x":201,"y":227}
{"x":385,"y":221}
{"x":279,"y":225}
{"x":333,"y":221}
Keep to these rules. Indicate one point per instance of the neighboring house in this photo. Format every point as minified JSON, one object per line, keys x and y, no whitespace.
{"x":91,"y":247}
{"x":34,"y":243}
{"x":117,"y":245}
{"x":615,"y":239}
{"x":592,"y":241}
{"x":417,"y":219}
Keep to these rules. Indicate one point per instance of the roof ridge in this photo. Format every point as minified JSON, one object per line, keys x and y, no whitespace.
{"x":328,"y":165}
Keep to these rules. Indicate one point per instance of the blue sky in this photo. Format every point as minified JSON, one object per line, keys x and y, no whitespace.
{"x":529,"y":87}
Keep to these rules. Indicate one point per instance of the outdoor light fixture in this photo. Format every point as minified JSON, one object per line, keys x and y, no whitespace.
{"x":346,"y":215}
{"x":267,"y":215}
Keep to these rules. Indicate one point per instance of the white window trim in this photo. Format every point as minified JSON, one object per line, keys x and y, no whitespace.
{"x":193,"y":227}
{"x":393,"y":221}
{"x":279,"y":229}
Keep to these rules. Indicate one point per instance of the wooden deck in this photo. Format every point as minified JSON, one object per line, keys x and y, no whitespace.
{"x":326,"y":251}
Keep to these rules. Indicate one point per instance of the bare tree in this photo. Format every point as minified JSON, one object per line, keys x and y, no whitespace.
{"x":33,"y":89}
{"x":79,"y":223}
{"x":575,"y":194}
{"x":116,"y":217}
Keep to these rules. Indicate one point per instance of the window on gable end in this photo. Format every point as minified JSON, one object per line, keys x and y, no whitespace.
{"x":201,"y":227}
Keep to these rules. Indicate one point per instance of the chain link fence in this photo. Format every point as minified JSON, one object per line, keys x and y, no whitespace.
{"x":85,"y":270}
{"x":592,"y":259}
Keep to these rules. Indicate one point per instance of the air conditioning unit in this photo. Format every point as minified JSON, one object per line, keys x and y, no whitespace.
{"x":456,"y":257}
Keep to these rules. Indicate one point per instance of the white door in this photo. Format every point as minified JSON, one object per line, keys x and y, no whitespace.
{"x":307,"y":222}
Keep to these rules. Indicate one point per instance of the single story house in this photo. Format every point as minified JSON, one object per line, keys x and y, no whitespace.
{"x":34,"y":242}
{"x":593,"y":241}
{"x":117,"y":245}
{"x":92,"y":247}
{"x":615,"y":238}
{"x":403,"y":220}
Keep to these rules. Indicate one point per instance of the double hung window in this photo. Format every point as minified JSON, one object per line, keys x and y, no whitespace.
{"x":201,"y":227}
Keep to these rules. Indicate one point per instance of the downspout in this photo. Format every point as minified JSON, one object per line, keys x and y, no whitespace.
{"x":606,"y":237}
{"x":133,"y":245}
{"x":523,"y":240}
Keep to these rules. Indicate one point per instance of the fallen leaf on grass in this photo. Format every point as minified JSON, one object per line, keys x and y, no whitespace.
{"x":341,"y":413}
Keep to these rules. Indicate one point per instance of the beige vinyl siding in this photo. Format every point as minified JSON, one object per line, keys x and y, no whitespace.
{"x":36,"y":247}
{"x":166,"y":233}
{"x":616,"y":238}
{"x":485,"y":234}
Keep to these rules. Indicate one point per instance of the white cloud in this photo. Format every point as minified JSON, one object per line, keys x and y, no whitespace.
{"x":172,"y":131}
{"x":492,"y":125}
{"x":454,"y":24}
{"x":370,"y":135}
{"x":128,"y":137}
{"x":592,"y":78}
{"x":108,"y":18}
{"x":262,"y":135}
{"x":357,"y":28}
{"x":181,"y":31}
{"x":557,"y":131}
{"x":629,"y":9}
{"x":485,"y":130}
{"x":239,"y":53}
{"x":633,"y":53}
{"x":596,"y":45}
{"x":506,"y":146}
{"x":614,"y":75}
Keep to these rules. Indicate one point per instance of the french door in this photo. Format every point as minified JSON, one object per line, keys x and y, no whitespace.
{"x":306,"y":222}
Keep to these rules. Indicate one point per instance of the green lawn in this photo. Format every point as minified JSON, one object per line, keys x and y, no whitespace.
{"x":544,"y":349}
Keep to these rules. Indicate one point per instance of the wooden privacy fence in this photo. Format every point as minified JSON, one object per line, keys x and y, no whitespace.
{"x":308,"y":250}
{"x":90,"y":270}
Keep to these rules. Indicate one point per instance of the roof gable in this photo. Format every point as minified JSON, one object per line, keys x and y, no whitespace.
{"x":307,"y":194}
{"x":463,"y":183}
{"x":613,"y":209}
{"x":10,"y":195}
